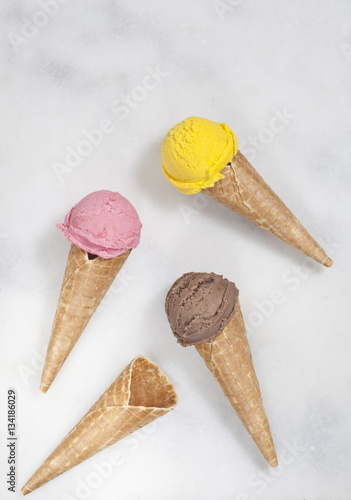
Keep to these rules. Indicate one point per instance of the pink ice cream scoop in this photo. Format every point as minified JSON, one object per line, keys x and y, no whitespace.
{"x":104,"y":223}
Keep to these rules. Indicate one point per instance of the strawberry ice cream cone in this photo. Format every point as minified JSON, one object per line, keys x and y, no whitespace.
{"x":102,"y":228}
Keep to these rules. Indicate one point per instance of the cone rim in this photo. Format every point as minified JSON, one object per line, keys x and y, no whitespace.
{"x":166,"y":381}
{"x":165,"y":393}
{"x":98,"y":258}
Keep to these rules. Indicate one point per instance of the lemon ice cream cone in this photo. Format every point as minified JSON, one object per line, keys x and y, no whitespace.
{"x":201,"y":155}
{"x":103,"y":228}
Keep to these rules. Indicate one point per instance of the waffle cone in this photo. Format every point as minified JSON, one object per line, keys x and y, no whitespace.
{"x":244,"y":191}
{"x":85,"y":283}
{"x":138,"y":396}
{"x":229,"y":359}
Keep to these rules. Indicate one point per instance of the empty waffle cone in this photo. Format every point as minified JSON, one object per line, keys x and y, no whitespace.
{"x":138,"y":396}
{"x":85,"y":284}
{"x":244,"y":191}
{"x":229,"y":359}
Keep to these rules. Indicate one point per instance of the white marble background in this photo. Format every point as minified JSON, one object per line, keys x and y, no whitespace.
{"x":83,"y":66}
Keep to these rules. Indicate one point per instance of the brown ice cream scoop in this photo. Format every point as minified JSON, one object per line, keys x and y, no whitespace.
{"x":199,"y":306}
{"x":203,"y":310}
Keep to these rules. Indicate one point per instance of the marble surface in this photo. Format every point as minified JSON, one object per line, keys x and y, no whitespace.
{"x":89,"y":89}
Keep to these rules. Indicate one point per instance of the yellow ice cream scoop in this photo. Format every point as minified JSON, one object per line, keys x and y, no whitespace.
{"x":195,"y":151}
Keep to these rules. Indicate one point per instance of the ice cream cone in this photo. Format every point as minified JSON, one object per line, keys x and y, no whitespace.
{"x":202,"y":155}
{"x":139,"y":395}
{"x":244,"y":191}
{"x":203,"y":310}
{"x":85,"y":283}
{"x":229,"y":359}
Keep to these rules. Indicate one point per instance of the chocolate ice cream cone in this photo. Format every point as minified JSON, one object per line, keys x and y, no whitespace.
{"x":138,"y":396}
{"x":229,"y":359}
{"x":244,"y":191}
{"x":85,"y":284}
{"x":203,"y":310}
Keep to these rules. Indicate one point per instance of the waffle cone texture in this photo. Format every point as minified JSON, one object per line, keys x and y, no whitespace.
{"x":229,"y":359}
{"x":85,"y":284}
{"x":244,"y":191}
{"x":138,"y":396}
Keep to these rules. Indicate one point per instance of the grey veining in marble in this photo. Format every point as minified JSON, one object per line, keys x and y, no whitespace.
{"x":89,"y":89}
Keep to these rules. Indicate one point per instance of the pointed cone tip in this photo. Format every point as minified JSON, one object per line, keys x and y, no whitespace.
{"x":25,"y":490}
{"x":44,"y":388}
{"x":328,"y":262}
{"x":273,"y":462}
